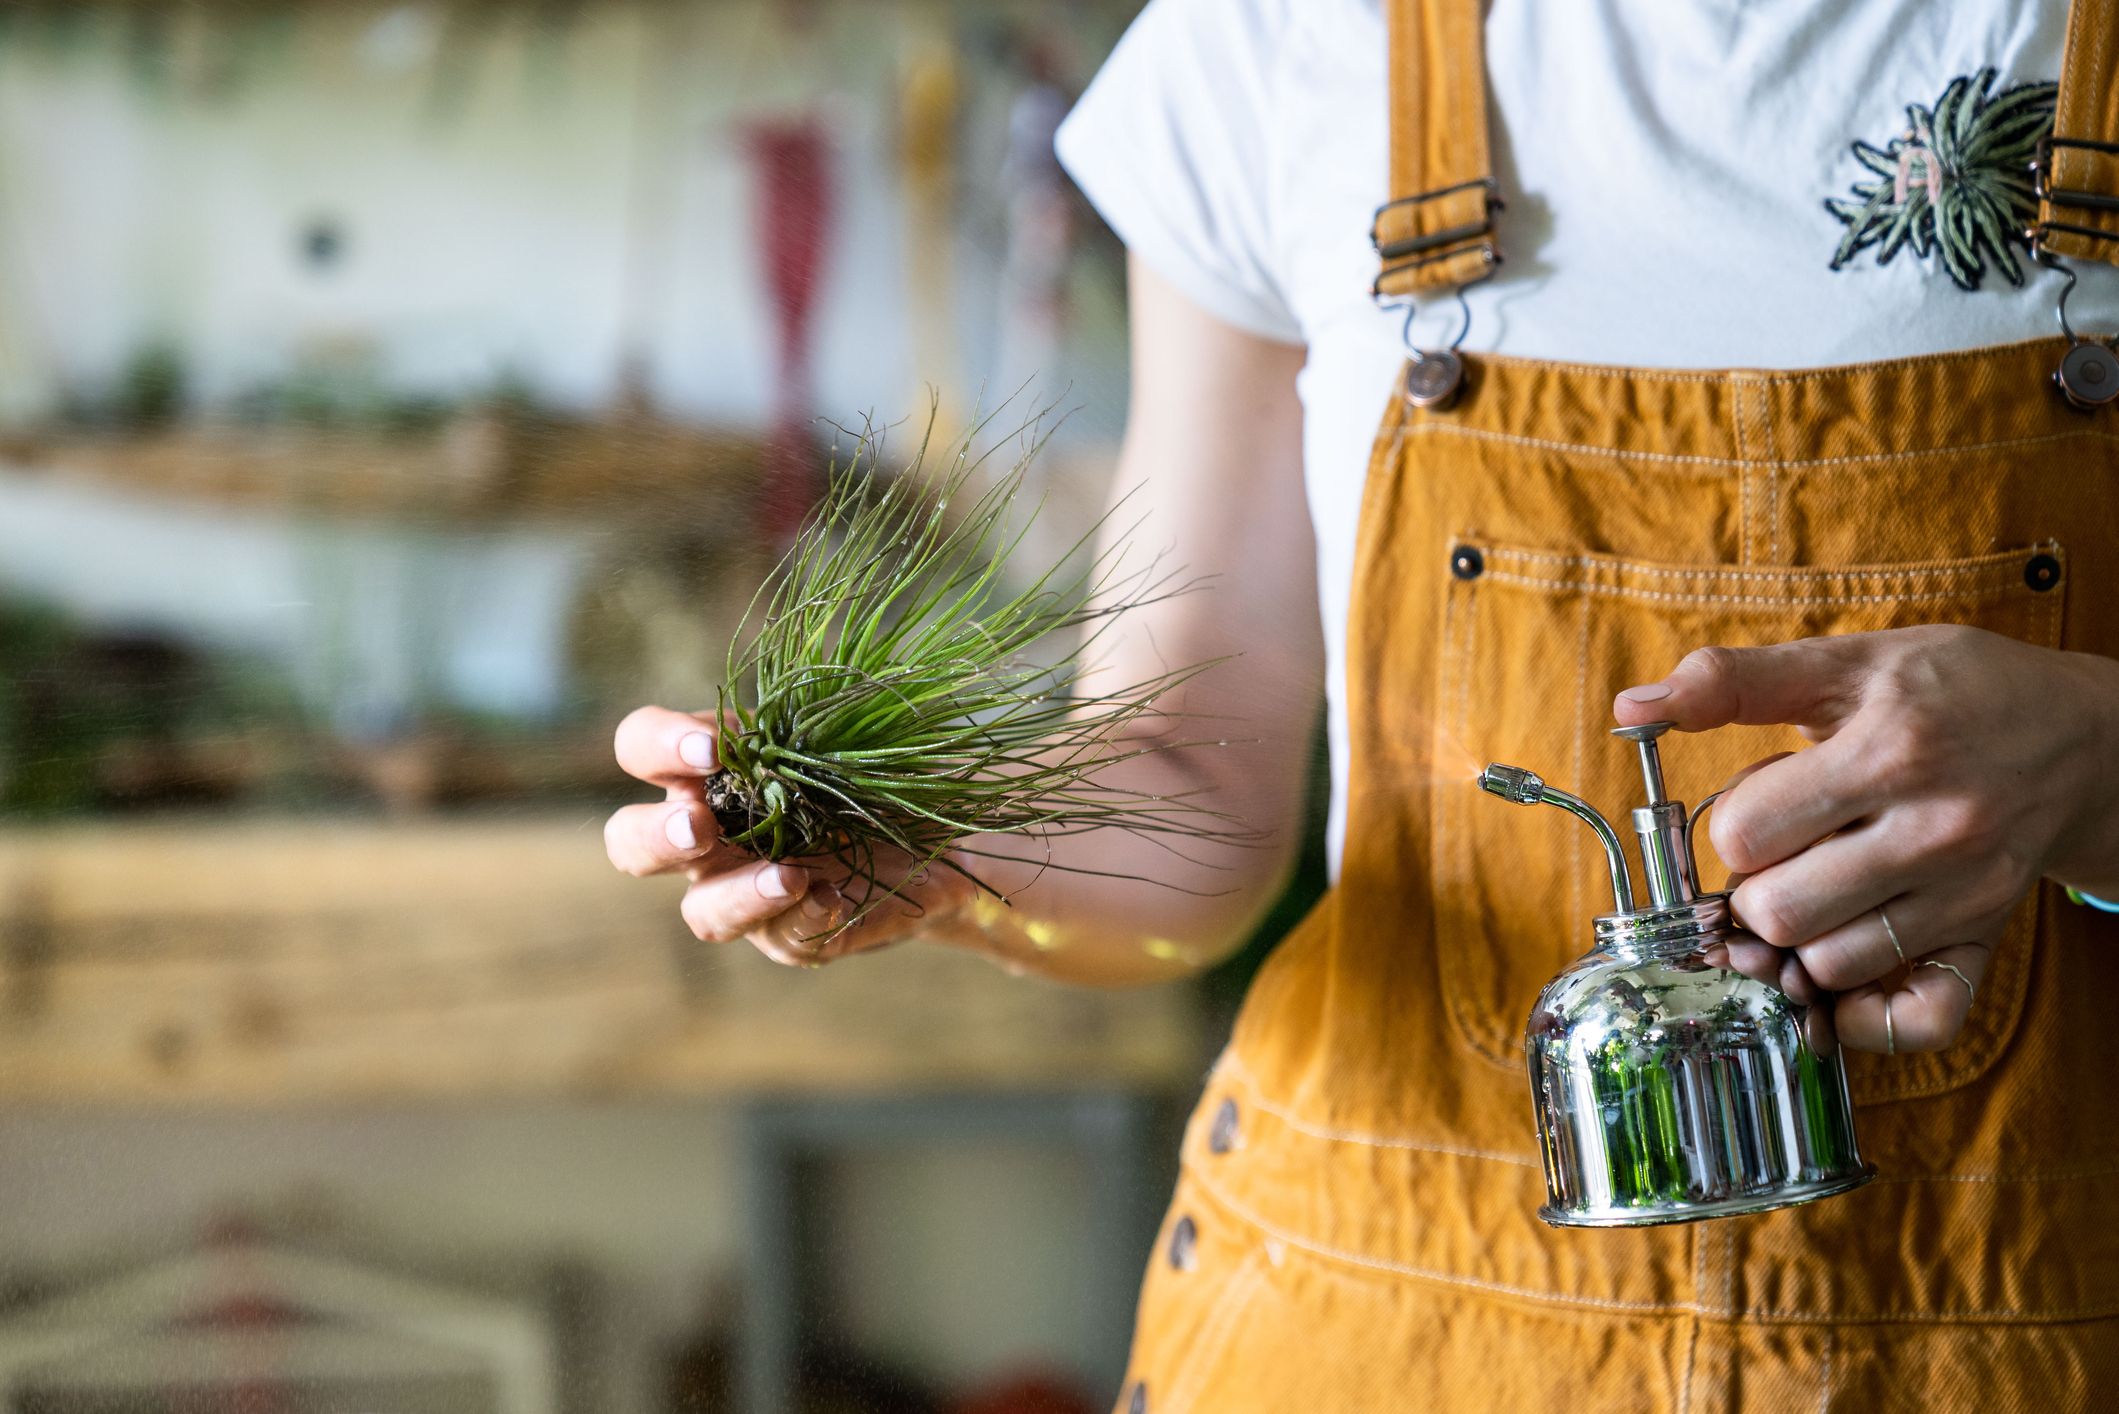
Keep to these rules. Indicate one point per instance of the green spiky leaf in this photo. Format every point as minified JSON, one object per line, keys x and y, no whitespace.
{"x":906,"y":692}
{"x":1977,"y":146}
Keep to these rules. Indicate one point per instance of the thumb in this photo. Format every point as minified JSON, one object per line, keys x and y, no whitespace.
{"x":1809,"y":683}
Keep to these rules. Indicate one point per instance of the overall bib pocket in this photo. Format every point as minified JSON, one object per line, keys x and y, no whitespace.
{"x":1534,"y":643}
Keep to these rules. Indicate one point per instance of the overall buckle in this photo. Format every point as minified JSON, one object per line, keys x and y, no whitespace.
{"x":2088,"y":375}
{"x":2070,"y":198}
{"x":1415,"y":252}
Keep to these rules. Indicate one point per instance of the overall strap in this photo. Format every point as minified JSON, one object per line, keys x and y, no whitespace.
{"x":1437,"y":229}
{"x":2078,"y":166}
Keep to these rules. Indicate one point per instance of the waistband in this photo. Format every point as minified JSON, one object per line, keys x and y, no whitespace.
{"x":1701,"y":420}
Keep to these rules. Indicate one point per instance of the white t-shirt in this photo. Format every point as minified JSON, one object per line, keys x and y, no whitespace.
{"x":1666,"y":163}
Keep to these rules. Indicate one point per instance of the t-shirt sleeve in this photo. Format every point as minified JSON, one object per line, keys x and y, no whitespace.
{"x":1170,"y":144}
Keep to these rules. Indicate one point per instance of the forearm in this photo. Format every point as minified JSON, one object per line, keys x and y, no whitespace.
{"x":1209,"y":484}
{"x":1110,"y":908}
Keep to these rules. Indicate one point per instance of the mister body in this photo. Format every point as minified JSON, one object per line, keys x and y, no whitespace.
{"x":1668,"y":1088}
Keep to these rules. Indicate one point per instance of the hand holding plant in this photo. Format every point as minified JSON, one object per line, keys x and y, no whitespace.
{"x":893,"y":718}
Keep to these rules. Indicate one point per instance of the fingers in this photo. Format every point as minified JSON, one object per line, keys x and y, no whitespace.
{"x":1797,"y":982}
{"x":1926,"y":1013}
{"x":1829,"y":884}
{"x":663,"y":748}
{"x":724,"y":905}
{"x":1781,"y":806}
{"x":1861,"y":951}
{"x":803,"y":936}
{"x":1812,"y":682}
{"x":654,"y":839}
{"x":1774,"y":966}
{"x":811,"y":935}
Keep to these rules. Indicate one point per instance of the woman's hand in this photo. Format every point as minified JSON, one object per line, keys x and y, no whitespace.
{"x":783,"y":909}
{"x":1211,"y":475}
{"x":1953,"y":768}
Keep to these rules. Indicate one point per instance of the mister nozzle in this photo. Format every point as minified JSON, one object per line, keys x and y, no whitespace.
{"x":1513,"y":783}
{"x":1528,"y":788}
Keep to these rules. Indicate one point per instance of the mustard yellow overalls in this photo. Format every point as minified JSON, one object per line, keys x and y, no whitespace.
{"x":1355,"y":1226}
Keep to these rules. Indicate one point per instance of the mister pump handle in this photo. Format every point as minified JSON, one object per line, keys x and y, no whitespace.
{"x":1661,"y":825}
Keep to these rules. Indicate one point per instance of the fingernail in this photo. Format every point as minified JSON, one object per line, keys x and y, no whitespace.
{"x":679,"y":829}
{"x":1647,"y":692}
{"x":778,"y":882}
{"x":697,"y":750}
{"x":817,"y":908}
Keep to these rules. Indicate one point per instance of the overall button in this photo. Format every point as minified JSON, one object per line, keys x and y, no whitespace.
{"x":1137,"y":1402}
{"x":2089,"y":375}
{"x":2041,"y":572}
{"x":1433,"y":378}
{"x":1184,"y":1245}
{"x":1221,"y":1135}
{"x":1465,"y":562}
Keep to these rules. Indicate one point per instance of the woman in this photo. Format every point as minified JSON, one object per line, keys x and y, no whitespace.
{"x":1887,"y":533}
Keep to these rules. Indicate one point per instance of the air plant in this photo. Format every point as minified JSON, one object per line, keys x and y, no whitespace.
{"x":1956,"y":183}
{"x":892,"y":708}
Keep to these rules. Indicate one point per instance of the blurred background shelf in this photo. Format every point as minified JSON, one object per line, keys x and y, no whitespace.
{"x":481,"y":463}
{"x":393,"y":393}
{"x":306,"y":960}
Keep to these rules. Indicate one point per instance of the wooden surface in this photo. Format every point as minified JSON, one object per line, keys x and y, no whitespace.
{"x":476,"y":467}
{"x":285,"y":960}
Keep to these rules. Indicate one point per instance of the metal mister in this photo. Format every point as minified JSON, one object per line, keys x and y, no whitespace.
{"x":1669,"y":1088}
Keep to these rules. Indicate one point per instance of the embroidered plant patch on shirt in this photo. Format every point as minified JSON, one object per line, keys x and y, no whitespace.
{"x":1955,"y":184}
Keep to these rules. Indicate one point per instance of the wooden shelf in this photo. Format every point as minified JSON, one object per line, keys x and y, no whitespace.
{"x":477,"y":465}
{"x":320,"y":960}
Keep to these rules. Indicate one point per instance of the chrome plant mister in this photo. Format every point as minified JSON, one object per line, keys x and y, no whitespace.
{"x":1669,"y":1088}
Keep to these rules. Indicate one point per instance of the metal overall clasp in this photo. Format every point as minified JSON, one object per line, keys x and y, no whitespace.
{"x":2088,"y":375}
{"x":1434,"y":377}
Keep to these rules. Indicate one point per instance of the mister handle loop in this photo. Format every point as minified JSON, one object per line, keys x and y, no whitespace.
{"x":1706,"y":804}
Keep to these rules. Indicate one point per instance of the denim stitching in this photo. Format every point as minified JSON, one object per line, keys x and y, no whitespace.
{"x":1574,"y":837}
{"x":1618,"y":372}
{"x":2008,"y":1314}
{"x":1212,"y":1338}
{"x":1672,"y":597}
{"x":1728,"y":1267}
{"x":1467,"y":1026}
{"x":1702,"y":459}
{"x":1692,"y":1355}
{"x":1699,"y":1234}
{"x":2003,"y":565}
{"x":1773,"y":476}
{"x":1386,"y":1264}
{"x":1743,"y":483}
{"x":1234,"y":1069}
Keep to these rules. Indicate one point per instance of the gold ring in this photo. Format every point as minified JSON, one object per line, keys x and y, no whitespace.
{"x":1890,"y":1034}
{"x":1971,"y":992}
{"x":1892,"y":934}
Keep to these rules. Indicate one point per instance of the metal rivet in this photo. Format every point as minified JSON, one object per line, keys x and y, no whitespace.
{"x":1221,"y":1136}
{"x":1137,"y":1403}
{"x":1433,"y":378}
{"x":2089,"y":375}
{"x":2041,"y":572}
{"x":1184,"y":1245}
{"x":1465,"y":562}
